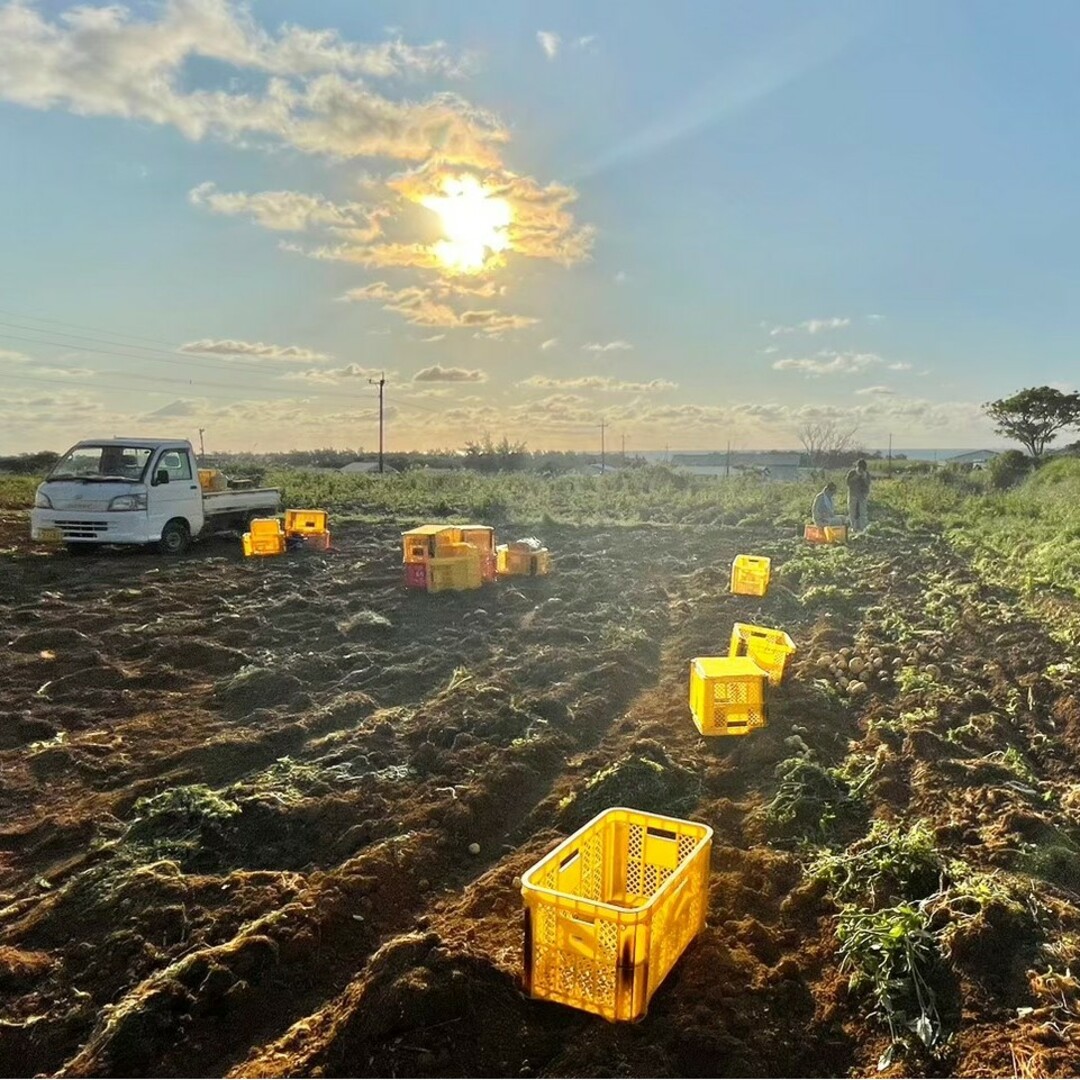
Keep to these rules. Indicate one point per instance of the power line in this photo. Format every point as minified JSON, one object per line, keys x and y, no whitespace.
{"x":80,"y":326}
{"x":305,"y":392}
{"x":95,"y":383}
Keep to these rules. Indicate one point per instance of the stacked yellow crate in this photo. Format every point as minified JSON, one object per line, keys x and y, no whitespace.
{"x":437,"y":558}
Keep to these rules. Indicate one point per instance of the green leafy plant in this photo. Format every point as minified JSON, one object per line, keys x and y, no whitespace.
{"x":890,"y":864}
{"x":891,"y":954}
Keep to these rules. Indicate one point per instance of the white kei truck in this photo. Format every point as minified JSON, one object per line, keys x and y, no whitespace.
{"x":138,"y":491}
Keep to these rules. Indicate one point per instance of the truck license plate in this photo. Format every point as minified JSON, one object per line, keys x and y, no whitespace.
{"x":50,"y":536}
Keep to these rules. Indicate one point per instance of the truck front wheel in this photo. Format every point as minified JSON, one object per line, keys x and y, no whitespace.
{"x":175,"y":538}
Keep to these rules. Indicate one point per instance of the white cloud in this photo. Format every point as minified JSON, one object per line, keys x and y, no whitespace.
{"x":621,"y":277}
{"x":549,"y":41}
{"x":546,"y":346}
{"x":875,"y":318}
{"x":877,"y":391}
{"x":812,"y":326}
{"x":103,"y":61}
{"x":770,"y":349}
{"x":900,"y":365}
{"x":829,"y":363}
{"x":586,"y":41}
{"x":432,"y":339}
{"x":600,"y":382}
{"x":28,"y":366}
{"x":292,"y":211}
{"x":421,"y":306}
{"x":608,"y":346}
{"x":257,"y":350}
{"x":333,"y":376}
{"x":438,"y":373}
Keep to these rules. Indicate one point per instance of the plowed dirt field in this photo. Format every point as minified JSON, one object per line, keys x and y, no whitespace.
{"x":238,"y":797}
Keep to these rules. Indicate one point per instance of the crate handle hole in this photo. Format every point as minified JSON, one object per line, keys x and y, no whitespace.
{"x":663,"y":834}
{"x":569,"y":859}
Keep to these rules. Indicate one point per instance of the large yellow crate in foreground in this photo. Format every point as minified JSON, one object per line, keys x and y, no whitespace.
{"x":769,"y":649}
{"x":750,"y":575}
{"x":610,"y":910}
{"x":727,"y":695}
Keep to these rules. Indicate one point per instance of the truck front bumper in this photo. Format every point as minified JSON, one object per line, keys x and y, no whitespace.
{"x":73,"y":527}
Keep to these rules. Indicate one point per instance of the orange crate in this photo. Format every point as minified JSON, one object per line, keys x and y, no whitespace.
{"x":769,"y":649}
{"x":750,"y":575}
{"x":825,"y":534}
{"x":305,"y":522}
{"x":612,"y":908}
{"x":727,"y":695}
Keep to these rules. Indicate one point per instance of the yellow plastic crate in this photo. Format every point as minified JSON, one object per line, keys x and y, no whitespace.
{"x":423,"y":542}
{"x":727,"y":695}
{"x":522,"y":562}
{"x":265,"y":527}
{"x":271,"y":544}
{"x":457,"y":572}
{"x":483,"y":536}
{"x":610,"y":910}
{"x":212,"y":480}
{"x":835,"y":534}
{"x":750,"y":575}
{"x":305,"y":522}
{"x":769,"y":649}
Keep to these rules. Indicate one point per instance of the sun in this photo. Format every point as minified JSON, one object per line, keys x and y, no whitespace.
{"x":474,"y":224}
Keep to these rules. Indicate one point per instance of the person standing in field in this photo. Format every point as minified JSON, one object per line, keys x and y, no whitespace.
{"x":858,"y":492}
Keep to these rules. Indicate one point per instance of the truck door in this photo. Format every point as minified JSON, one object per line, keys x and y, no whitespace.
{"x":178,"y":496}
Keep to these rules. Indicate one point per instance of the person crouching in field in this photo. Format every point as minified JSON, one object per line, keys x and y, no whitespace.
{"x":824,"y":510}
{"x":858,"y":493}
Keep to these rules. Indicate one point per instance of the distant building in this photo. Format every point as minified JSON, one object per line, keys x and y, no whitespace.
{"x":974,"y":459}
{"x":364,"y":467}
{"x":768,"y":466}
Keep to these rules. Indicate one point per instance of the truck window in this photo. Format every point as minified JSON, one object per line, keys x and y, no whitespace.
{"x":176,"y":463}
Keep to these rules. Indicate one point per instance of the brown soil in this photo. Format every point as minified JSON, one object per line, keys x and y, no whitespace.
{"x":238,"y":798}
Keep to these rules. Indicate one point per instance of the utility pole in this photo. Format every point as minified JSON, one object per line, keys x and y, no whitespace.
{"x":889,"y":466}
{"x":380,"y":382}
{"x":202,"y":449}
{"x":603,"y":425}
{"x":727,"y":466}
{"x":624,"y":449}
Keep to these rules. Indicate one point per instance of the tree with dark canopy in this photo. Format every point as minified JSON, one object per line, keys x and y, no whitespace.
{"x":1033,"y":417}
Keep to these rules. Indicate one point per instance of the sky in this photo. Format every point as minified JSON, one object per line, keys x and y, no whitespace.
{"x":695,"y":223}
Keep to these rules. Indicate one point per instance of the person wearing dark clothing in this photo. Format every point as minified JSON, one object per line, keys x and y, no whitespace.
{"x":858,"y":489}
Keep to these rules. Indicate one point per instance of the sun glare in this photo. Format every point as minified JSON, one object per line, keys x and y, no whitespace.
{"x":474,"y":224}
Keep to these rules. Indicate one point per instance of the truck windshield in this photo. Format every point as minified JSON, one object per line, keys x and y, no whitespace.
{"x":102,"y":463}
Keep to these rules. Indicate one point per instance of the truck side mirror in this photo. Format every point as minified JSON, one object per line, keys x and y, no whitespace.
{"x":162,"y":476}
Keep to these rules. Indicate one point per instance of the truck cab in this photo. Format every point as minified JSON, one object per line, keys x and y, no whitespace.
{"x":136,"y":491}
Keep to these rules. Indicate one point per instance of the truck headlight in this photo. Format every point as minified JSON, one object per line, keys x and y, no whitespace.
{"x":41,"y":501}
{"x":128,"y":502}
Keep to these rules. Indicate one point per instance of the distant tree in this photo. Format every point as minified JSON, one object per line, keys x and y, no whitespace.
{"x":1008,"y":469}
{"x":488,"y":456}
{"x":824,"y":440}
{"x":1033,"y":417}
